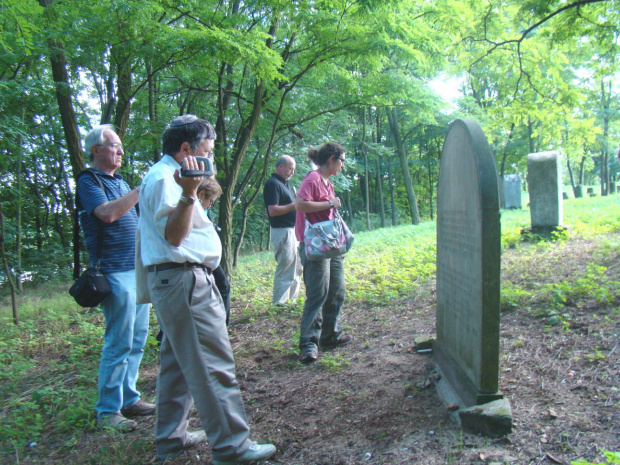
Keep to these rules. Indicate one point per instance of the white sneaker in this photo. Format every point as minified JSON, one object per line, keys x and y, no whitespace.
{"x":255,"y":453}
{"x":195,"y":438}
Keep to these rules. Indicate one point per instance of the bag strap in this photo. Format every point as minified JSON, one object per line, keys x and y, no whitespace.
{"x":76,"y":238}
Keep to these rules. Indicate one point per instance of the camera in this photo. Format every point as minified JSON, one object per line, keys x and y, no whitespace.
{"x":208,"y":171}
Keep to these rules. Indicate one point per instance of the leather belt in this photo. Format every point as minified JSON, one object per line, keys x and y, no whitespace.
{"x":174,"y":265}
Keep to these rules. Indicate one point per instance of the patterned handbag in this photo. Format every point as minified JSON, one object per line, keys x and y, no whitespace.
{"x":327,"y":239}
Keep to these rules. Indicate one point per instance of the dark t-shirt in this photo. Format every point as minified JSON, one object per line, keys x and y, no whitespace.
{"x":278,"y":192}
{"x":119,"y":237}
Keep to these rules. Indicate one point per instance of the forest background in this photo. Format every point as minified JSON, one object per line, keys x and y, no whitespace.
{"x":278,"y":76}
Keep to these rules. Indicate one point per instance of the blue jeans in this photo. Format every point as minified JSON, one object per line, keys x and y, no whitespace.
{"x":325,"y":293}
{"x":126,"y":330}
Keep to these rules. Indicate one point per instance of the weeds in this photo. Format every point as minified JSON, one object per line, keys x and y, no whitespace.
{"x":613,"y":458}
{"x":333,"y":363}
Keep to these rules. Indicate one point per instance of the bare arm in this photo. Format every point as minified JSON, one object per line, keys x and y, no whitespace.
{"x":179,"y":222}
{"x":109,"y":212}
{"x":310,"y":206}
{"x":279,"y":210}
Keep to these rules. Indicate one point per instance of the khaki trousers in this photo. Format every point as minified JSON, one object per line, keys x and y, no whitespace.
{"x":196,"y":365}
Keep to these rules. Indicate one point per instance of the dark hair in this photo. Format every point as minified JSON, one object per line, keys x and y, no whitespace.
{"x":320,"y":156}
{"x":211,"y":188}
{"x":186,"y":128}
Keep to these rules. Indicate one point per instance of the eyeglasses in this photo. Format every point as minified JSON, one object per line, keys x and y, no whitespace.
{"x":115,"y":146}
{"x":341,"y":160}
{"x":182,"y":121}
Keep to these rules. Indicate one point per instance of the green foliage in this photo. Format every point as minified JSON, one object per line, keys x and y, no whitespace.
{"x":48,"y":368}
{"x":612,"y":458}
{"x":333,"y":363}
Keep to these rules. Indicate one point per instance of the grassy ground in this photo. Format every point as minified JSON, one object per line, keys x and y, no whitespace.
{"x":48,"y":366}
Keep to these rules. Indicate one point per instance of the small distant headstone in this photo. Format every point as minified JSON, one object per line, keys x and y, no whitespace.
{"x":512,"y":191}
{"x":578,"y":191}
{"x":564,"y":196}
{"x":612,"y":187}
{"x":617,"y":189}
{"x":468,"y":267}
{"x":544,"y":177}
{"x":590,"y":190}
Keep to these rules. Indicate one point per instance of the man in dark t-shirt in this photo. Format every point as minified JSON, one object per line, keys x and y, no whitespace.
{"x":280,"y":202}
{"x":107,"y":203}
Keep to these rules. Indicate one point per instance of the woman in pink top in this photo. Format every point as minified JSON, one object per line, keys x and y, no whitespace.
{"x":324,"y":278}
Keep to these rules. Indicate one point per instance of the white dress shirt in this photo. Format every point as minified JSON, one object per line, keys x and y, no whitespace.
{"x":159,"y":195}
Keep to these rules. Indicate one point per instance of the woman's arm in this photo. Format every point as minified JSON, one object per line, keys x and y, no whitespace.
{"x":310,"y":206}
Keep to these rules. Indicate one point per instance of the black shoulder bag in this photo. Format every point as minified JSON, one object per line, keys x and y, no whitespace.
{"x":92,"y":286}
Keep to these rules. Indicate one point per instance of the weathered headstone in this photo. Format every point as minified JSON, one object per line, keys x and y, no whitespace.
{"x":512,"y":191}
{"x":578,"y":191}
{"x":544,"y":176}
{"x":468,"y":266}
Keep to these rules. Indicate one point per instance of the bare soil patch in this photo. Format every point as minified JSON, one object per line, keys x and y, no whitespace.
{"x":371,"y":402}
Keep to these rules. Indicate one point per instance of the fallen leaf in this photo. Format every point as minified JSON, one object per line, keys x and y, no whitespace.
{"x":553,"y":459}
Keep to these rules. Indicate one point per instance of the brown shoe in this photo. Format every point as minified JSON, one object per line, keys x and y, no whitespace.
{"x":139,"y":409}
{"x":341,"y":341}
{"x":118,"y":422}
{"x":309,"y":355}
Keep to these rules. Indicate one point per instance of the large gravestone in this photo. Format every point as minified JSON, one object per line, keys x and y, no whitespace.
{"x":544,"y":178}
{"x":512,"y":191}
{"x":468,"y":266}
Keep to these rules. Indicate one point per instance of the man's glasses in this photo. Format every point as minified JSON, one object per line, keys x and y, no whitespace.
{"x":115,"y":146}
{"x":182,"y":121}
{"x":341,"y":160}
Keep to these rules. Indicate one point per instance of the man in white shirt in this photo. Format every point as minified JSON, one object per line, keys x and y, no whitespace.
{"x":180,"y":249}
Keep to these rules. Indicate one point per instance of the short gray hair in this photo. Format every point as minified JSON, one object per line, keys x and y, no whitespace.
{"x":284,"y":160}
{"x":95,"y":137}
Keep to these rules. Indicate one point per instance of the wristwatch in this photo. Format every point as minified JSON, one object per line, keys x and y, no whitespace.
{"x":331,"y":204}
{"x":187,"y":200}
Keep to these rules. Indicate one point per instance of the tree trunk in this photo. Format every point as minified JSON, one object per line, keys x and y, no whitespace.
{"x":65,"y":104}
{"x":392,"y":197}
{"x":606,"y":102}
{"x":570,"y":175}
{"x":152,"y":108}
{"x":7,"y":271}
{"x":18,"y":209}
{"x":244,"y":223}
{"x":404,"y":164}
{"x":379,"y":175}
{"x":380,"y":194}
{"x":364,"y":179}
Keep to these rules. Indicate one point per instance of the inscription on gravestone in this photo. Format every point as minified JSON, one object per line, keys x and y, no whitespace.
{"x":468,"y":265}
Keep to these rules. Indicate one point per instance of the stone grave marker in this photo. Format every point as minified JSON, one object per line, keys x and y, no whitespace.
{"x":544,"y":176}
{"x":512,"y":191}
{"x":468,"y":268}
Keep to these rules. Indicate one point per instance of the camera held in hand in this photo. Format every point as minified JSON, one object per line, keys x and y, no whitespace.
{"x":208,"y":171}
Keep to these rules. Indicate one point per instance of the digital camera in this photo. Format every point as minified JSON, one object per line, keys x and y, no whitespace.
{"x":208,"y":171}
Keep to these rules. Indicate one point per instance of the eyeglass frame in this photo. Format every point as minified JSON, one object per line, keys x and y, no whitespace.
{"x":115,"y":145}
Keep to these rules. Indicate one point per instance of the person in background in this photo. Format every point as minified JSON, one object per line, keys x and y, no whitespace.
{"x":324,"y":278}
{"x":208,"y":192}
{"x":280,"y":202}
{"x":180,"y":249}
{"x":126,"y":324}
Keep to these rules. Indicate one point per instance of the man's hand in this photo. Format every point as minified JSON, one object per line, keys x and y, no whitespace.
{"x":189,"y":184}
